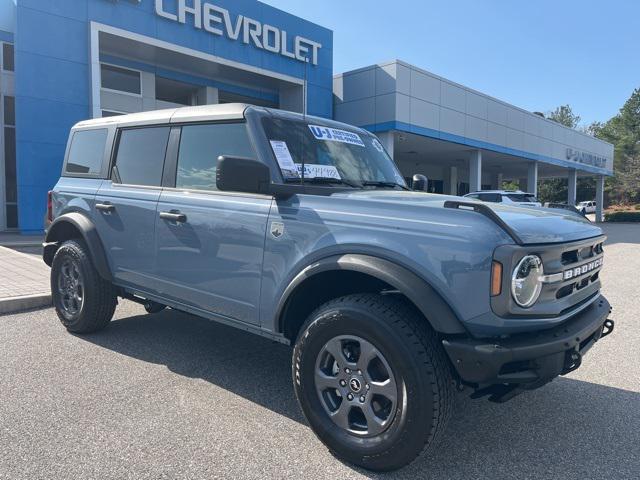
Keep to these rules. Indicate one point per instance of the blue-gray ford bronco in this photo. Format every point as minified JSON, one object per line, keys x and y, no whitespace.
{"x":303,"y":230}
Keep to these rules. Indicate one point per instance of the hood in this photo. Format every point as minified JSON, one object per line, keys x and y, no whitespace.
{"x":533,"y":225}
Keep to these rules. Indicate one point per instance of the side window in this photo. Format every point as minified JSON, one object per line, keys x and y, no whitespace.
{"x":490,"y":197}
{"x":200,"y":147}
{"x":87,"y":151}
{"x":140,"y":156}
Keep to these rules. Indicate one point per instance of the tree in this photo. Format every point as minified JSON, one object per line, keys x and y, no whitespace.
{"x":623,"y":131}
{"x":564,"y":115}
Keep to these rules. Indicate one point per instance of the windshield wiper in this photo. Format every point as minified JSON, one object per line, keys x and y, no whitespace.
{"x":324,"y":181}
{"x":384,"y":184}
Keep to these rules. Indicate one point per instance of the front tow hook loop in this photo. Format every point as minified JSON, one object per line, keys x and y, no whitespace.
{"x":573,"y":361}
{"x":607,"y":327}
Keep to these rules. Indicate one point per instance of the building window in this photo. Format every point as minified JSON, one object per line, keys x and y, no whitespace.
{"x":9,"y":110}
{"x":11,"y":196}
{"x":229,"y":97}
{"x":12,"y":216}
{"x":120,"y":79}
{"x":173,"y":91}
{"x":87,"y":151}
{"x":111,"y":113}
{"x":140,"y":157}
{"x":8,"y":60}
{"x":200,"y":147}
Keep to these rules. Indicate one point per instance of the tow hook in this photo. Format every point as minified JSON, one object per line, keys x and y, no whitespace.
{"x":572,"y":361}
{"x":607,"y":328}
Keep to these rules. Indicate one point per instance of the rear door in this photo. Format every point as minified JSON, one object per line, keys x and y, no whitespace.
{"x":210,"y":244}
{"x":125,"y":205}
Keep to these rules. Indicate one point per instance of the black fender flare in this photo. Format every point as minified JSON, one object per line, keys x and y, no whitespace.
{"x":58,"y":232}
{"x":430,"y":303}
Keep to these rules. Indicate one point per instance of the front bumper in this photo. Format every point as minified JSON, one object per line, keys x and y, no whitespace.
{"x":530,"y":360}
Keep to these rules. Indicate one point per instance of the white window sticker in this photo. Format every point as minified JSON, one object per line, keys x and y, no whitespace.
{"x":312,"y":170}
{"x":283,"y":156}
{"x":377,"y":145}
{"x":335,"y":135}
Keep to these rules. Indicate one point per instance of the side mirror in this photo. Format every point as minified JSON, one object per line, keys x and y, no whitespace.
{"x":239,"y":174}
{"x":420,"y":182}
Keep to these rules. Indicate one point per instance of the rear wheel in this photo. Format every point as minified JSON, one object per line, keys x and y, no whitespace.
{"x":372,"y":380}
{"x":83,"y":300}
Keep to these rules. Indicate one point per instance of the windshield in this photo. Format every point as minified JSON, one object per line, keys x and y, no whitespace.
{"x":522,"y":197}
{"x":329,"y":153}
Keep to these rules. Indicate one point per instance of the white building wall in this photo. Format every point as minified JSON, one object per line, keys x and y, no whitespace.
{"x":399,"y":92}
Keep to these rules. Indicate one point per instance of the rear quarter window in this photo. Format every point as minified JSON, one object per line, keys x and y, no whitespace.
{"x":86,"y":152}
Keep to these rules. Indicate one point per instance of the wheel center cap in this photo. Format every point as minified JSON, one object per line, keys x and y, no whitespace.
{"x":355,"y":385}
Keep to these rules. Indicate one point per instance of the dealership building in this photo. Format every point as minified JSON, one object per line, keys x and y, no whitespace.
{"x":65,"y":61}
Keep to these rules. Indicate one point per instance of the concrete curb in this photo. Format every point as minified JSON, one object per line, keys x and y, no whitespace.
{"x":25,"y":302}
{"x":20,"y":244}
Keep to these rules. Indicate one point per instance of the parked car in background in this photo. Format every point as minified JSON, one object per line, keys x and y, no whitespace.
{"x":302,"y":230}
{"x":587,"y":207}
{"x":564,"y":207}
{"x":509,"y":197}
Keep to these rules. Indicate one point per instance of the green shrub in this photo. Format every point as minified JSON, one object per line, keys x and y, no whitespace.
{"x":637,"y":207}
{"x":622,"y":216}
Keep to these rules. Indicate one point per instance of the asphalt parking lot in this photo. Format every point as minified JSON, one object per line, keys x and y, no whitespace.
{"x":173,"y":396}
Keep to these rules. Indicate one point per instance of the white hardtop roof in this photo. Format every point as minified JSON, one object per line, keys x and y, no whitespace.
{"x":226,"y":111}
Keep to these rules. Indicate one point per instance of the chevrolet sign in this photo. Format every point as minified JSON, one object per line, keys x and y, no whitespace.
{"x":218,"y":21}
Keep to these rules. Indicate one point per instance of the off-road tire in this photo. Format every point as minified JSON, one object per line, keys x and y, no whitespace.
{"x":422,"y":372}
{"x":99,"y":296}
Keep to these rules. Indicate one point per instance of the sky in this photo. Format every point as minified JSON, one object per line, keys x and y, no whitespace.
{"x":536,"y":55}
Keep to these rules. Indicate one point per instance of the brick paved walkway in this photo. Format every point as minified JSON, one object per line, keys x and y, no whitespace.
{"x":24,"y":281}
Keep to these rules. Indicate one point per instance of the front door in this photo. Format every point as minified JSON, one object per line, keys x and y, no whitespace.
{"x":210,"y":244}
{"x":125,"y":206}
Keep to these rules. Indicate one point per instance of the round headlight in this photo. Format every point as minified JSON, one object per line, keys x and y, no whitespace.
{"x":526,"y":282}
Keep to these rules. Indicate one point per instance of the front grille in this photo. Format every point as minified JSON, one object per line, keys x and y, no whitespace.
{"x":578,"y":264}
{"x":576,"y":255}
{"x":577,"y":285}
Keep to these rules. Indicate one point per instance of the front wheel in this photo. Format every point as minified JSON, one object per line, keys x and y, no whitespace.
{"x":83,"y":300}
{"x":372,"y":380}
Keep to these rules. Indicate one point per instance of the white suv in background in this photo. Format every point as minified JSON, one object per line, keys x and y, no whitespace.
{"x":587,"y":207}
{"x":510,"y":197}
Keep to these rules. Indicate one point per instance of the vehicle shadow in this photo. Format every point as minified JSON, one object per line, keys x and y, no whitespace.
{"x":568,"y":429}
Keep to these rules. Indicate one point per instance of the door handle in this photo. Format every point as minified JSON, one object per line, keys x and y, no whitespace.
{"x":173,"y":217}
{"x":105,"y":207}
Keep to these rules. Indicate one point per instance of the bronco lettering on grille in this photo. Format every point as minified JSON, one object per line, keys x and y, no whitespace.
{"x":582,"y":269}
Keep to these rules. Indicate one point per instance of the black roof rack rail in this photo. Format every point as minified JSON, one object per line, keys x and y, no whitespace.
{"x":487,"y":212}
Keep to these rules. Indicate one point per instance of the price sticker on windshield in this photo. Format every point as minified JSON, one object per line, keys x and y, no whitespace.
{"x":283,"y":156}
{"x":335,"y":135}
{"x":313,"y":170}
